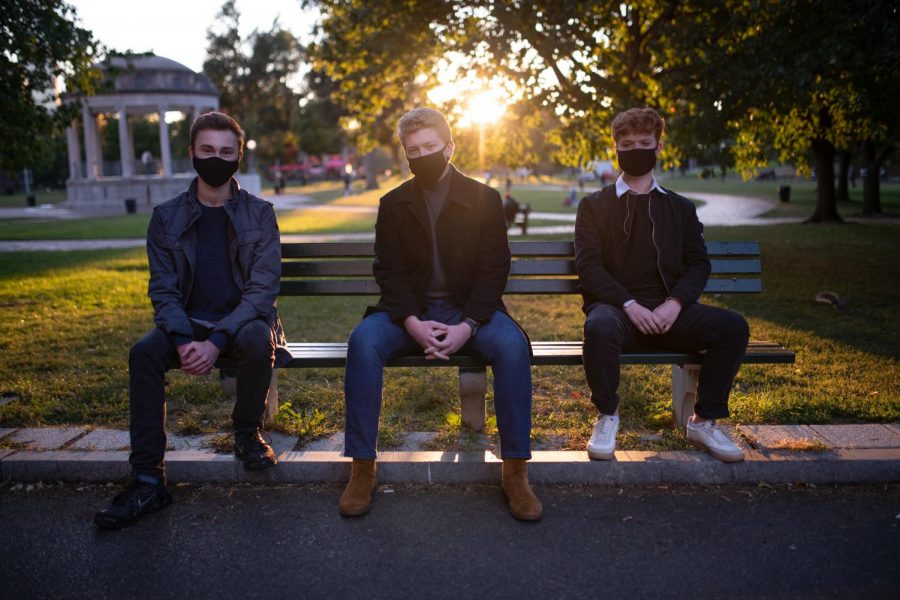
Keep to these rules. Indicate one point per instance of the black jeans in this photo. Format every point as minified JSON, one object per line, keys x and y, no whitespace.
{"x":253,"y":349}
{"x":722,"y":333}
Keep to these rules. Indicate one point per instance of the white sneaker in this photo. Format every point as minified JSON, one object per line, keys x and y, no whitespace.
{"x":708,"y":436}
{"x":602,"y":445}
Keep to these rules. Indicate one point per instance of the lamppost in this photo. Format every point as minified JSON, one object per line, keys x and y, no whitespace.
{"x":251,"y":146}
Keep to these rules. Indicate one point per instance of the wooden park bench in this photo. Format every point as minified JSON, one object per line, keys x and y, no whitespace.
{"x":538,"y":267}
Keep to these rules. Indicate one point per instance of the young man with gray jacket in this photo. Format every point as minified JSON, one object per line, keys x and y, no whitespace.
{"x":215,"y":267}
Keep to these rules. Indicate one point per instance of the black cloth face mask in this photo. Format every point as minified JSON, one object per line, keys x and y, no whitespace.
{"x":429,"y":168}
{"x":637,"y":162}
{"x":215,"y":171}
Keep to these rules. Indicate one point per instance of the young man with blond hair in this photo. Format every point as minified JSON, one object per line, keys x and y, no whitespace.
{"x":441,"y":262}
{"x":215,"y":271}
{"x":642,"y":265}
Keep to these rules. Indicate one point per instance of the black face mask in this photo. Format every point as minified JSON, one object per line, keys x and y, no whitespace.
{"x":429,"y":168}
{"x":215,"y":171}
{"x":637,"y":162}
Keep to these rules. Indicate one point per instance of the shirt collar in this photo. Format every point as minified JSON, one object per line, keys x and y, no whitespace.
{"x":622,"y":187}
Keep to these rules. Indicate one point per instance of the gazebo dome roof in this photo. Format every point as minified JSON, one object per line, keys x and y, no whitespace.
{"x":150,"y":73}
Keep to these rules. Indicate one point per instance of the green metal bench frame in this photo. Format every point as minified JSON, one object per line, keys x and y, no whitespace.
{"x":538,"y":267}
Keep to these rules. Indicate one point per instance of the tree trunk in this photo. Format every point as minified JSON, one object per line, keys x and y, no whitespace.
{"x":371,"y":176}
{"x":399,"y":161}
{"x":872,"y":180}
{"x":843,"y":192}
{"x":826,"y":201}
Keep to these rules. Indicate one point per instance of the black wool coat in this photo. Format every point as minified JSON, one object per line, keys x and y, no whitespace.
{"x":472,"y":244}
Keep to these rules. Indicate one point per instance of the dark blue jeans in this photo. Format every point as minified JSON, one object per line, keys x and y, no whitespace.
{"x":376,"y":340}
{"x":723,"y":334}
{"x":253,"y":348}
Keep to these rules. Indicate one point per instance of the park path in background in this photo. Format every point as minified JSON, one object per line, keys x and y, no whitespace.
{"x":717,"y":210}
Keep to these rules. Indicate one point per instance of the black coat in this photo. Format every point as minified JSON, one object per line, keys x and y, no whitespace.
{"x":472,"y":243}
{"x":682,"y":260}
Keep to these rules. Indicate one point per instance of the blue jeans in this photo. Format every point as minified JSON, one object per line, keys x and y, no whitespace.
{"x":377,"y":340}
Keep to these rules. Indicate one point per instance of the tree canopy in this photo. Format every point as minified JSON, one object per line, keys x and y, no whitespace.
{"x":736,"y":79}
{"x":40,"y":44}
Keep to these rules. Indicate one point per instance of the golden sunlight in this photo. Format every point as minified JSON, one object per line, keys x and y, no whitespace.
{"x":471,"y":100}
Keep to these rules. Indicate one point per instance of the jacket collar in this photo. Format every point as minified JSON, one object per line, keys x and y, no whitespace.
{"x":195,"y":200}
{"x":622,"y":187}
{"x":418,"y":196}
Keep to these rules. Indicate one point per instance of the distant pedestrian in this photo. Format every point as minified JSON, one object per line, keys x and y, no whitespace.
{"x":510,"y":209}
{"x":347,"y":180}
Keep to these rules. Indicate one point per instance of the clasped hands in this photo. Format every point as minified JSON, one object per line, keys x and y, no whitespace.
{"x":657,"y":321}
{"x":198,"y":358}
{"x":438,"y":339}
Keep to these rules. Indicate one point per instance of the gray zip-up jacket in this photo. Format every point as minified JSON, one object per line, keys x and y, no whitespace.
{"x":254,"y":245}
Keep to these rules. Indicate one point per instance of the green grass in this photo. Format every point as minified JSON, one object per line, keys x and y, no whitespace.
{"x":70,"y":318}
{"x":19,"y":199}
{"x":118,"y":227}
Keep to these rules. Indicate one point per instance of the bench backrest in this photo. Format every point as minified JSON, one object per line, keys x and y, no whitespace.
{"x":539,"y":267}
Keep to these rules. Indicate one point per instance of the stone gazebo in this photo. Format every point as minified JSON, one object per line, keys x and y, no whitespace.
{"x":140,"y":85}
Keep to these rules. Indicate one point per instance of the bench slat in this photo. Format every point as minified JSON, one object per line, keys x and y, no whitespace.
{"x":561,"y":267}
{"x":327,"y":249}
{"x":368,"y":287}
{"x":334,"y":354}
{"x":732,"y":248}
{"x":518,"y":248}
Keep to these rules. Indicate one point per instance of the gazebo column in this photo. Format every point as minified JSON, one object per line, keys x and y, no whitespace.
{"x":91,"y":149}
{"x":164,"y":148}
{"x":126,"y":152}
{"x":74,"y":151}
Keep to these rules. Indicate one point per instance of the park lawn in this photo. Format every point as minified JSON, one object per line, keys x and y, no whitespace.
{"x":69,"y":319}
{"x":19,"y":199}
{"x":115,"y":227}
{"x":543,"y":200}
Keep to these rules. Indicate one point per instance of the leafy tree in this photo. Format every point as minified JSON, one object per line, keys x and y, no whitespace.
{"x":828,"y":79}
{"x":579,"y":61}
{"x":254,"y":77}
{"x":734,"y":79}
{"x":40,"y":42}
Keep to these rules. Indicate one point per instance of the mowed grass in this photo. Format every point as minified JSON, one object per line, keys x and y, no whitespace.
{"x":20,"y":199}
{"x":70,"y":318}
{"x":329,"y":211}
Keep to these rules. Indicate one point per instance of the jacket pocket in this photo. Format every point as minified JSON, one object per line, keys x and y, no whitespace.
{"x":172,"y":242}
{"x":251,"y":236}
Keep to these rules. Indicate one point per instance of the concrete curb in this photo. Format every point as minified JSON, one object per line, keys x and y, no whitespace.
{"x":547,"y":467}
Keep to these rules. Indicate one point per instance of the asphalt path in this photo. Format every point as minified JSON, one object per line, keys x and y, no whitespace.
{"x":244,"y":541}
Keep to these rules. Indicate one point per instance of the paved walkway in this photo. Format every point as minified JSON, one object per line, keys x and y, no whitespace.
{"x":717,"y":210}
{"x":819,"y":454}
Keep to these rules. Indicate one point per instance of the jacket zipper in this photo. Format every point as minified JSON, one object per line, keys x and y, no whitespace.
{"x":653,"y":239}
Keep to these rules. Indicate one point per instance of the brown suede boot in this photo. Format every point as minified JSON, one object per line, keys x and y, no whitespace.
{"x":523,"y":504}
{"x":357,"y":495}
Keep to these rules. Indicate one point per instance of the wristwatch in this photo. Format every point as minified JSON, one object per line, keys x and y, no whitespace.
{"x":473,"y":324}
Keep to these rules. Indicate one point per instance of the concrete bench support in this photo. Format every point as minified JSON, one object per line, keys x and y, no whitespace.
{"x":472,"y":390}
{"x":229,"y":388}
{"x":684,"y":392}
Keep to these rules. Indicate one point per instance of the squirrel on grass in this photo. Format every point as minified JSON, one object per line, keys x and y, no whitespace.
{"x":833,"y":299}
